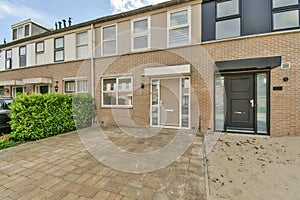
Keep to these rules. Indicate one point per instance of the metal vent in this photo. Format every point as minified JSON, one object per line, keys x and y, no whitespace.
{"x":286,"y":65}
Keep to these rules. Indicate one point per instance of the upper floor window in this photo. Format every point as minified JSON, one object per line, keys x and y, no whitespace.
{"x":81,"y":45}
{"x":75,"y":86}
{"x":179,"y":27}
{"x":59,"y":49}
{"x":228,"y":19}
{"x":282,"y":3}
{"x":22,"y":56}
{"x":140,"y":34}
{"x":8,"y":59}
{"x":109,"y":40}
{"x":117,"y":91}
{"x":285,"y":14}
{"x":39,"y":50}
{"x":21,"y":32}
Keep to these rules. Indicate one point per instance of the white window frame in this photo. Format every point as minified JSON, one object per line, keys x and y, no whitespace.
{"x":102,"y":41}
{"x":41,"y":53}
{"x":57,"y":49}
{"x":14,"y":90}
{"x":82,"y":45}
{"x":146,"y":33}
{"x":38,"y":91}
{"x":179,"y":26}
{"x":116,"y":91}
{"x":76,"y":80}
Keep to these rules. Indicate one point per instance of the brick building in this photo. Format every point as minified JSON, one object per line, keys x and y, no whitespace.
{"x":179,"y":64}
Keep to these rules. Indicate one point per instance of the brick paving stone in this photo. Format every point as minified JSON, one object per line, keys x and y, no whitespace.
{"x":93,"y":180}
{"x":88,"y":191}
{"x":70,"y":196}
{"x":131,"y":192}
{"x":73,"y":187}
{"x":61,"y":168}
{"x":102,"y":194}
{"x":83,"y":178}
{"x":113,"y":196}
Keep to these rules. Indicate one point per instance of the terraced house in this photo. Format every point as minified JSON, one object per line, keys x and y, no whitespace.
{"x":223,"y":65}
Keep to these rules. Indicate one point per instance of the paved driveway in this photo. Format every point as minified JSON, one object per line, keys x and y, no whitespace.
{"x":61,"y":167}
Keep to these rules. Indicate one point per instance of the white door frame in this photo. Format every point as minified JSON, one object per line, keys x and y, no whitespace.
{"x":180,"y":102}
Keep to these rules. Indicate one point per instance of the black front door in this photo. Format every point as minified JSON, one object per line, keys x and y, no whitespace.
{"x":240,"y":102}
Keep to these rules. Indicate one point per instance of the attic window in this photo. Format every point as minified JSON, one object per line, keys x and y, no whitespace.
{"x":21,"y":32}
{"x":27,"y":30}
{"x":15,"y":34}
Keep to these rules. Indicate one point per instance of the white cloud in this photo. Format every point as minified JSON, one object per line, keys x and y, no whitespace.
{"x":125,"y":5}
{"x":15,"y":9}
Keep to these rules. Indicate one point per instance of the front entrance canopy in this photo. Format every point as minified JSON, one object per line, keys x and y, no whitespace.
{"x":168,"y":70}
{"x":11,"y":83}
{"x":42,"y":80}
{"x":249,"y":64}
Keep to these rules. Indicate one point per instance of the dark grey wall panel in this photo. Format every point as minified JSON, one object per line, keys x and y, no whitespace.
{"x":256,"y":17}
{"x":208,"y":21}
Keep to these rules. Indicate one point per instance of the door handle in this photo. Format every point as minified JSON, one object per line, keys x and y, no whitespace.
{"x":252,"y":103}
{"x":239,"y":112}
{"x":169,"y":110}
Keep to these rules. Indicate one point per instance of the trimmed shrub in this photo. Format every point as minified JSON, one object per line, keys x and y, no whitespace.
{"x":34,"y":117}
{"x":83,"y":110}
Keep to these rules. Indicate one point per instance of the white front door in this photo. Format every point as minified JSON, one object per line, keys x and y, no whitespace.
{"x":170,"y":102}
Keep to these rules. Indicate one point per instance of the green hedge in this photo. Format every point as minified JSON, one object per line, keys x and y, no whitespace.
{"x":83,"y":110}
{"x":35,"y":116}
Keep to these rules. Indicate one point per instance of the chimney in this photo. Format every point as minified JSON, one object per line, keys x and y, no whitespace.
{"x":59,"y":25}
{"x":55,"y":25}
{"x":65,"y":24}
{"x":70,"y":21}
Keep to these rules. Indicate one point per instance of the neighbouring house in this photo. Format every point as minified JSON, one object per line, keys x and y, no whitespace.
{"x":230,"y":65}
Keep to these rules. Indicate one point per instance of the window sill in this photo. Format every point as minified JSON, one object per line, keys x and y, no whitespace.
{"x":117,"y":107}
{"x":252,"y":36}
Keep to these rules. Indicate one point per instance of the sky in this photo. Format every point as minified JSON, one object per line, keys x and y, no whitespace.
{"x":49,"y":12}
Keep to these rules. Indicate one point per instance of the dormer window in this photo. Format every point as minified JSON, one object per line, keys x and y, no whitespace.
{"x":27,"y":28}
{"x":21,"y":32}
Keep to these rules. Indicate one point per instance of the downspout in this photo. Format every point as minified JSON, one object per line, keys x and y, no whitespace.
{"x":93,"y":62}
{"x":93,"y":67}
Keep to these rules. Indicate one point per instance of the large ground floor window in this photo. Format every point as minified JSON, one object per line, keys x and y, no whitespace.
{"x":75,"y":86}
{"x":117,"y":92}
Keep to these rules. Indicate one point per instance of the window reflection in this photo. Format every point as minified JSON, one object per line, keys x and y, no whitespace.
{"x":281,"y":3}
{"x":227,"y":8}
{"x":287,"y":19}
{"x":228,"y":28}
{"x":261,"y":104}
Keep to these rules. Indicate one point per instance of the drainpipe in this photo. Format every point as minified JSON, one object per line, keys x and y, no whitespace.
{"x":93,"y":66}
{"x":92,"y":61}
